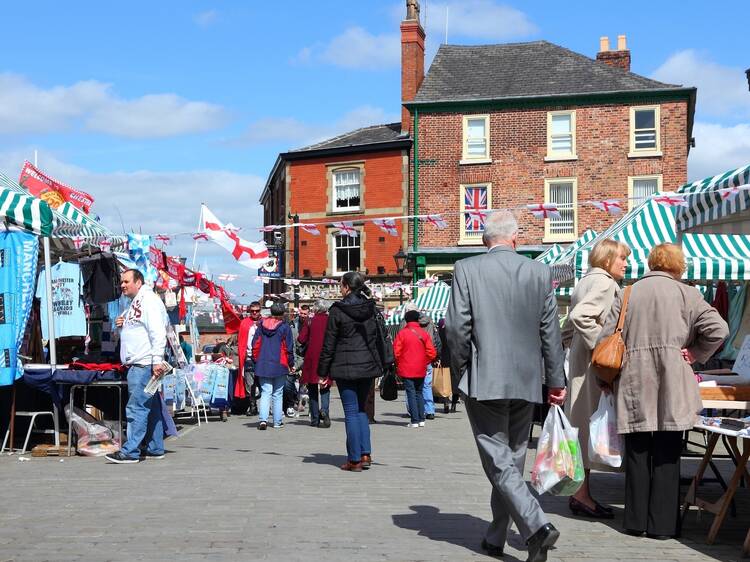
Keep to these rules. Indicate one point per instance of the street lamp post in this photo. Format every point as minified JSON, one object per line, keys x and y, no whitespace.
{"x":400,"y":258}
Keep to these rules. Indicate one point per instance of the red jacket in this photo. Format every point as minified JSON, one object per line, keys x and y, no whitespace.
{"x":413,"y":355}
{"x":312,"y":334}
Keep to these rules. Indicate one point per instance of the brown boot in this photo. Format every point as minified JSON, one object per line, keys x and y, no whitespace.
{"x":352,"y":466}
{"x":366,"y":461}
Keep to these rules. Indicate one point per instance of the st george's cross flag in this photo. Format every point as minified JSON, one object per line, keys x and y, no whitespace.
{"x":250,"y":254}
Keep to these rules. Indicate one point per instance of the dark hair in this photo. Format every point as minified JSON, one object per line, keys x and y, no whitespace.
{"x":356,"y":283}
{"x":305,"y":307}
{"x":411,"y":316}
{"x":137,"y":275}
{"x":277,"y":309}
{"x":254,"y":303}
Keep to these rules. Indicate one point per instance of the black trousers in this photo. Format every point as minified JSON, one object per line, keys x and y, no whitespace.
{"x":652,"y":482}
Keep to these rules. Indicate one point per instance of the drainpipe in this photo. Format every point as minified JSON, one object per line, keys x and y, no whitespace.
{"x":415,"y":210}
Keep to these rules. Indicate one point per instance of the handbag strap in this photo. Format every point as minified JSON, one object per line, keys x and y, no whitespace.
{"x":624,"y":309}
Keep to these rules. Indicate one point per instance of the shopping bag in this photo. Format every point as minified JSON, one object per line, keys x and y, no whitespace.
{"x":441,"y":382}
{"x":388,"y":388}
{"x":558,"y":468}
{"x":605,"y":445}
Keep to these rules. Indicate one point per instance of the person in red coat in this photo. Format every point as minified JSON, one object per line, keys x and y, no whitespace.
{"x":414,"y":350}
{"x":311,"y":335}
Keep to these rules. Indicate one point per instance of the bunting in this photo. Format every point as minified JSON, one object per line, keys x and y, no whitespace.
{"x":310,"y":229}
{"x":544,"y":210}
{"x":347,"y":227}
{"x":611,"y":206}
{"x":387,"y":225}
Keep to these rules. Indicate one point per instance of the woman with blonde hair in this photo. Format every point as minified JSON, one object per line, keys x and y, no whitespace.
{"x":668,"y":325}
{"x":590,"y":304}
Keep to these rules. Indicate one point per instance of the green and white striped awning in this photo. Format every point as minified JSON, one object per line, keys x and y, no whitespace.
{"x":709,"y":210}
{"x":550,"y":254}
{"x":433,"y":302}
{"x":26,"y":212}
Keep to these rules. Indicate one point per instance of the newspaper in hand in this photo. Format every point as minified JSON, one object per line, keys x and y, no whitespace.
{"x":155,"y":383}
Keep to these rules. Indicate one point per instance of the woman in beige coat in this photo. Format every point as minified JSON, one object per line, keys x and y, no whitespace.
{"x":590,"y":305}
{"x":667,"y":326}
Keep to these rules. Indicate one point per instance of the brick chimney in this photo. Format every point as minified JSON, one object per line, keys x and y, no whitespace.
{"x":619,"y":58}
{"x":412,"y":59}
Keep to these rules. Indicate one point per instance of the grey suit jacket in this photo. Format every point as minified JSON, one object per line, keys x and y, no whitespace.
{"x":503,"y":328}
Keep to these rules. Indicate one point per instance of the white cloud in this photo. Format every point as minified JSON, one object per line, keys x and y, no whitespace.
{"x":26,"y":109}
{"x":477,"y":19}
{"x":356,"y":48}
{"x":722,"y":90}
{"x":296,"y":133}
{"x":205,"y":19}
{"x":718,"y":149}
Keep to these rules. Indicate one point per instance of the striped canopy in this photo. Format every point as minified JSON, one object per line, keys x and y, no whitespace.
{"x":709,"y":211}
{"x":26,"y":212}
{"x":432,"y":302}
{"x":549,"y":255}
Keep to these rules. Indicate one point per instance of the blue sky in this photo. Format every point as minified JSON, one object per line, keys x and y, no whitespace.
{"x":154,"y":107}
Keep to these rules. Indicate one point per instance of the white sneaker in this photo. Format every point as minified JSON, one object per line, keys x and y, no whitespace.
{"x":410,"y":425}
{"x":421,"y":424}
{"x":291,"y":412}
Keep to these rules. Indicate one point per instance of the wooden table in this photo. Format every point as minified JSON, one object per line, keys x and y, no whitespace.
{"x":720,"y":507}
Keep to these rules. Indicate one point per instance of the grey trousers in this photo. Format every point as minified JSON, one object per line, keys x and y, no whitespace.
{"x":501,"y":429}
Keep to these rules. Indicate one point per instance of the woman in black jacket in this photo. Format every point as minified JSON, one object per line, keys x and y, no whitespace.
{"x":350,"y":356}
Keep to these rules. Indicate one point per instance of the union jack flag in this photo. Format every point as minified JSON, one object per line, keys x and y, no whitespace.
{"x":475,"y":201}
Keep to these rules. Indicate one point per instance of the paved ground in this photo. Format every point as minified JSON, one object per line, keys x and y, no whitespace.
{"x":229,"y":492}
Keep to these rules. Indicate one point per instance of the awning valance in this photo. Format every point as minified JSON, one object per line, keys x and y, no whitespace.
{"x":433,"y":302}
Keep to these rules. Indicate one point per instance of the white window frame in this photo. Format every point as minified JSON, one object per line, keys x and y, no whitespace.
{"x":643,"y":152}
{"x":633,"y":179}
{"x":548,"y":235}
{"x":334,"y":260}
{"x":473,"y":239}
{"x":334,"y":172}
{"x":467,"y":158}
{"x":552,"y":154}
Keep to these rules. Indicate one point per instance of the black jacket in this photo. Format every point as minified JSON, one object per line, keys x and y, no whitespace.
{"x":349,"y":347}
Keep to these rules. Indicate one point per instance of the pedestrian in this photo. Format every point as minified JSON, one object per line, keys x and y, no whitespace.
{"x":186,"y":347}
{"x":589,"y":307}
{"x":248,"y":327}
{"x":352,"y":357}
{"x":426,"y":323}
{"x":273,"y":356}
{"x":293,"y":388}
{"x":414,"y":350}
{"x":504,"y":335}
{"x":143,"y":338}
{"x":668,"y":325}
{"x":449,"y":403}
{"x":319,"y":390}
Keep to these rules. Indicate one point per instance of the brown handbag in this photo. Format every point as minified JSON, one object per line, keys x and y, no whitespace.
{"x":609,"y":353}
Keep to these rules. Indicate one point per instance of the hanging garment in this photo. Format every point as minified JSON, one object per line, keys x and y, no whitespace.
{"x":721,"y":300}
{"x":101,"y":279}
{"x":67,"y":301}
{"x":18,"y":257}
{"x":739,"y":323}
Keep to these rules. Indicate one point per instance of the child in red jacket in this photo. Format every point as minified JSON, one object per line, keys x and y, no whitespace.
{"x":414,"y":351}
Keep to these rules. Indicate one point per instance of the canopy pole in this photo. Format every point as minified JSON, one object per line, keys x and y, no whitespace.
{"x":50,"y":310}
{"x":195,"y":246}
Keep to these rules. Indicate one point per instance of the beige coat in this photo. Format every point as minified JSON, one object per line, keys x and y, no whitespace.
{"x":657,"y":390}
{"x":589,"y":307}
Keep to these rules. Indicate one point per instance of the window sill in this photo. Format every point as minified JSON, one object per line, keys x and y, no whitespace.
{"x":569,"y":157}
{"x":553,"y":239}
{"x":343,"y":212}
{"x":652,"y":154}
{"x":463,"y":162}
{"x":470,"y":241}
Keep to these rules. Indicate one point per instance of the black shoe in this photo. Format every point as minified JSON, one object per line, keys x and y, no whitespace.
{"x":492,"y":550}
{"x":634,"y":532}
{"x":429,"y":416}
{"x":453,"y":408}
{"x":262,"y":425}
{"x":660,"y":537}
{"x":325,"y":420}
{"x":446,"y":408}
{"x":541,"y":541}
{"x":580,"y":508}
{"x":119,"y":458}
{"x":153,"y":456}
{"x":314,"y":423}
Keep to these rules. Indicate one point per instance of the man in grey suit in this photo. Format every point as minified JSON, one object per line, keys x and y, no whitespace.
{"x":504,"y":336}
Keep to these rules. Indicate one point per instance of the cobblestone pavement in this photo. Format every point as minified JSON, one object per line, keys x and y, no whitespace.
{"x":226,"y":491}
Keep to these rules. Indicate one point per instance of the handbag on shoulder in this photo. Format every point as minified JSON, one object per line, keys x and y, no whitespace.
{"x":609,"y":353}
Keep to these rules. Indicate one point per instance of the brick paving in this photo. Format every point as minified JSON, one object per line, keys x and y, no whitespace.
{"x":229,"y":492}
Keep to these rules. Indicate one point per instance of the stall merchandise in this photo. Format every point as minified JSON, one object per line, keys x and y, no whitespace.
{"x":67,"y":301}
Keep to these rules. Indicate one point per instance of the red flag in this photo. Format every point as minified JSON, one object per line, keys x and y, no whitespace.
{"x":231,"y":318}
{"x":52,"y":191}
{"x":183,"y":307}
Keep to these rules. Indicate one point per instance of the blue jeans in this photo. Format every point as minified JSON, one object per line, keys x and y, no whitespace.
{"x":318,"y":405}
{"x":271,"y":388}
{"x":143,"y":413}
{"x":353,"y":399}
{"x":415,"y":398}
{"x":429,"y":403}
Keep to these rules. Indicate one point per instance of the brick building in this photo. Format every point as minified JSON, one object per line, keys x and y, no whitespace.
{"x":502,"y":126}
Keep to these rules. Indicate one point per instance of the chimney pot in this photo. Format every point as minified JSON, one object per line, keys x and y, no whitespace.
{"x":603,"y":44}
{"x":622,"y":44}
{"x":619,"y":58}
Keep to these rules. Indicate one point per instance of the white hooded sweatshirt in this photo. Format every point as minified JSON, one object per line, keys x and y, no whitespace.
{"x":143,"y":335}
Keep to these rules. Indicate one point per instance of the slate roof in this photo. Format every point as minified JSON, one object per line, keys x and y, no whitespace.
{"x":523,"y":70}
{"x":366,"y":135}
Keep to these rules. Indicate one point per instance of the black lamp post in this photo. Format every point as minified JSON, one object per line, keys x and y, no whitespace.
{"x":400,"y":258}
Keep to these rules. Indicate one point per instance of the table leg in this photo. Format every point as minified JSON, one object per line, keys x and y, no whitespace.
{"x":70,"y":417}
{"x":736,"y":455}
{"x":690,"y":496}
{"x":746,"y":546}
{"x":738,"y":475}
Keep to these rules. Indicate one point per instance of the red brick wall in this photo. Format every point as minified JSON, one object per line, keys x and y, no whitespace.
{"x":412,"y":66}
{"x":518,"y":145}
{"x":383,"y":188}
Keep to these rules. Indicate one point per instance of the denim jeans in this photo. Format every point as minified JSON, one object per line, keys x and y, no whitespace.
{"x":143,"y":413}
{"x":271,"y":388}
{"x":414,"y":398}
{"x":320,"y":399}
{"x":291,"y":393}
{"x":353,"y":399}
{"x":429,"y":402}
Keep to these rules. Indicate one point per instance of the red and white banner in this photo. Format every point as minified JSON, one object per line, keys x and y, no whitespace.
{"x":387,"y":225}
{"x":39,"y":184}
{"x":729,"y":193}
{"x":78,"y":241}
{"x":544,"y":210}
{"x":436,"y":220}
{"x":200,"y":236}
{"x":250,"y":254}
{"x":228,"y":277}
{"x":611,"y":206}
{"x":347,"y":227}
{"x":163,"y":238}
{"x":105,"y":244}
{"x":671,"y":200}
{"x":310,"y":229}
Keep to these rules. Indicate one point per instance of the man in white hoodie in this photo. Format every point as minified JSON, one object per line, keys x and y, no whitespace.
{"x":143,"y":337}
